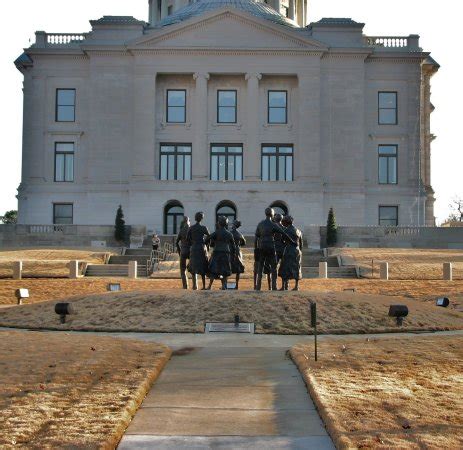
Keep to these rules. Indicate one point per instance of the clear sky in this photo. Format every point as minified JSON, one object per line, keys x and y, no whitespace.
{"x":438,"y":24}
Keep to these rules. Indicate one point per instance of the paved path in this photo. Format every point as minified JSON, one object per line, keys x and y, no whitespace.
{"x":228,"y":398}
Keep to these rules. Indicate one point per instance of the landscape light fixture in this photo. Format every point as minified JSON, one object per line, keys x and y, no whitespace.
{"x":399,"y":312}
{"x":231,"y":285}
{"x":63,"y":310}
{"x":237,"y":320}
{"x":349,"y":290}
{"x":114,"y":287}
{"x":20,"y":294}
{"x":313,"y":324}
{"x":443,"y":301}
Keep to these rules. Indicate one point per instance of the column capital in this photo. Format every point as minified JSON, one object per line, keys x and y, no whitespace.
{"x":251,"y":75}
{"x":198,"y":75}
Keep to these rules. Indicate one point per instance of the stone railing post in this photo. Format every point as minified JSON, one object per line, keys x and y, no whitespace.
{"x":447,"y":271}
{"x":384,"y":271}
{"x":40,"y":39}
{"x":323,"y":270}
{"x":413,"y":42}
{"x":73,"y":270}
{"x":133,"y":270}
{"x":17,"y":270}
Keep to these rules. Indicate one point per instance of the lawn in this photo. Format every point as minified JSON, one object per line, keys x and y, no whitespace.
{"x":272,"y":312}
{"x":47,"y":263}
{"x":51,"y":289}
{"x":402,"y":393}
{"x":404,"y":263}
{"x":72,"y":391}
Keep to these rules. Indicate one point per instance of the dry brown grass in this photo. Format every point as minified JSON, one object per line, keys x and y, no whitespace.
{"x":45,"y":263}
{"x":50,"y":289}
{"x":272,"y":312}
{"x":72,"y":391}
{"x":388,"y":393}
{"x":404,"y":263}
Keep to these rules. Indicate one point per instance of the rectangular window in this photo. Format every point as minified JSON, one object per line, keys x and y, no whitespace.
{"x":389,"y":216}
{"x":170,"y":10}
{"x":387,"y":108}
{"x":64,"y":161}
{"x":63,"y":213}
{"x":176,"y":106}
{"x":277,"y":107}
{"x":65,"y":110}
{"x":226,"y":162}
{"x":277,"y":163}
{"x":387,"y":164}
{"x":175,"y":162}
{"x":226,"y":106}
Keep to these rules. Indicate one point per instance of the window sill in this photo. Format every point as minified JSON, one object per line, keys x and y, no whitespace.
{"x":165,"y":125}
{"x":237,"y":125}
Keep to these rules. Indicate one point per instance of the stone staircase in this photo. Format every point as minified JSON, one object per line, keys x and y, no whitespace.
{"x":311,"y":259}
{"x":118,"y":265}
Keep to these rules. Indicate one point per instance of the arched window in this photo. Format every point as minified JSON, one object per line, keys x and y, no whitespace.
{"x":279,"y":208}
{"x":227,"y":209}
{"x":173,"y":215}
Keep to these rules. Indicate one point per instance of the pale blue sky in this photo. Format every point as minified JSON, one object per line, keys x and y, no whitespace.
{"x":437,"y":23}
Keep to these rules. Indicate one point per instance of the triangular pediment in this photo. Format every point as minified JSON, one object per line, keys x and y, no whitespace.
{"x":226,"y":28}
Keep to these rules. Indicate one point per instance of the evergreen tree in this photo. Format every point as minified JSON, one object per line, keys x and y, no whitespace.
{"x":119,"y":229}
{"x":10,"y":217}
{"x":331,"y":230}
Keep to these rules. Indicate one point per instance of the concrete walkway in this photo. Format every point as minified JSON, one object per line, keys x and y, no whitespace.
{"x":228,"y":398}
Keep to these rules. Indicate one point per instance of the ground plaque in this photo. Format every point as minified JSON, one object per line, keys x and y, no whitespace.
{"x":216,"y":327}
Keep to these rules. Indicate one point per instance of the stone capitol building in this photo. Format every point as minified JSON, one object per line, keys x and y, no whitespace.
{"x":226,"y":106}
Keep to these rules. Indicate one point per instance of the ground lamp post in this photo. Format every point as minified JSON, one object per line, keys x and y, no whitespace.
{"x":63,"y":310}
{"x":313,"y":324}
{"x":399,"y":312}
{"x":443,"y":301}
{"x":21,"y":294}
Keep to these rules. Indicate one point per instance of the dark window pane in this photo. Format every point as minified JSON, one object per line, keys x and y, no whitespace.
{"x":180,"y":167}
{"x":187,"y":167}
{"x":277,"y":115}
{"x":176,"y":98}
{"x":59,"y":167}
{"x":269,"y":149}
{"x":227,"y":98}
{"x":176,"y":114}
{"x":64,"y":147}
{"x":227,"y":114}
{"x":65,"y":114}
{"x":289,"y":168}
{"x":214,"y":163}
{"x":388,"y":215}
{"x":285,"y":149}
{"x":392,"y":170}
{"x":164,"y":167}
{"x":388,"y":100}
{"x":221,"y":167}
{"x":273,"y":169}
{"x":265,"y":168}
{"x":387,"y":150}
{"x":277,"y":99}
{"x":238,"y":168}
{"x":171,"y":168}
{"x":62,"y":213}
{"x":69,"y":167}
{"x":66,"y":97}
{"x":387,"y":116}
{"x":382,"y":170}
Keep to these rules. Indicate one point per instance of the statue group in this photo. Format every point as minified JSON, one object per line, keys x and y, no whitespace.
{"x":277,"y":252}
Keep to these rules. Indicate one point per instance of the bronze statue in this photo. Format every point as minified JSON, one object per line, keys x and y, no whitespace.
{"x":266,"y":270}
{"x":265,"y":242}
{"x":279,"y":243}
{"x":237,"y":264}
{"x":198,"y":251}
{"x":183,"y":249}
{"x":290,"y":268}
{"x":224,"y":251}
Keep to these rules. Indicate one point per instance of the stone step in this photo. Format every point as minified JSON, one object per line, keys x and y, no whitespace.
{"x":113,"y":270}
{"x":138,"y":252}
{"x":333,"y":272}
{"x":125,"y":259}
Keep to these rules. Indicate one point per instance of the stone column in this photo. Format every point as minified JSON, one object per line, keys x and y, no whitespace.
{"x":322,"y":270}
{"x":153,"y":12}
{"x":17,"y":270}
{"x":200,"y":150}
{"x":277,"y":4}
{"x":447,"y":271}
{"x":144,"y":123}
{"x":292,"y":9}
{"x":73,"y":270}
{"x":163,"y":9}
{"x":253,"y":119}
{"x":133,"y":269}
{"x":384,"y":271}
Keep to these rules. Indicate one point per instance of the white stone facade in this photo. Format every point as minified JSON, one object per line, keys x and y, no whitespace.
{"x":121,"y":73}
